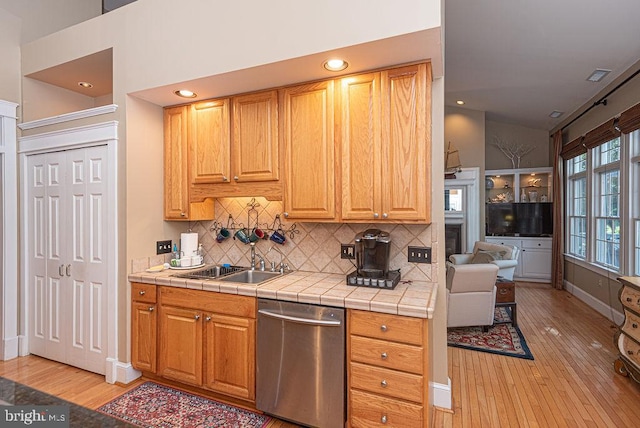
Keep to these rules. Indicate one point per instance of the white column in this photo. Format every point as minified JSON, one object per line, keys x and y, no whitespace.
{"x":8,"y":232}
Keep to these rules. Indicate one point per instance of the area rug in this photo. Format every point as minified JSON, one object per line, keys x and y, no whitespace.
{"x":154,"y":405}
{"x":503,"y":339}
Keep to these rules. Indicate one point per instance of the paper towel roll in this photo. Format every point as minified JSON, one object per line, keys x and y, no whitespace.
{"x":189,"y":243}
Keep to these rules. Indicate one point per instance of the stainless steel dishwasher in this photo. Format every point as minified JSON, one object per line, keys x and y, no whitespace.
{"x":301,"y":363}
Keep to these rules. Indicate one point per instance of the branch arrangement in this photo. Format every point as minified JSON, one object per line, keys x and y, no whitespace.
{"x":513,"y":151}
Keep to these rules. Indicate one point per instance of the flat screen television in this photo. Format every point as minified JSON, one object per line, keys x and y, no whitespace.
{"x":519,"y":219}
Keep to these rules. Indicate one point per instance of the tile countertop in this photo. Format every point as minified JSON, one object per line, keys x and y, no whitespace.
{"x":412,"y":298}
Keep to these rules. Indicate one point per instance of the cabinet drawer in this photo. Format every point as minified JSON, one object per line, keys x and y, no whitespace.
{"x":506,"y":292}
{"x":143,"y":292}
{"x":630,"y":297}
{"x":631,"y":325}
{"x":391,"y":383}
{"x":387,"y":327}
{"x":219,"y":303}
{"x":630,"y":348}
{"x":532,"y":244}
{"x":390,"y":355}
{"x":369,"y":410}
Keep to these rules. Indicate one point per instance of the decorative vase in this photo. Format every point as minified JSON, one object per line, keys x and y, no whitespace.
{"x":533,"y":196}
{"x":523,"y":196}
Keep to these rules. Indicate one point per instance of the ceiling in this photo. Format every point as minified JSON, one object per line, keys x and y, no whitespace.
{"x":518,"y":60}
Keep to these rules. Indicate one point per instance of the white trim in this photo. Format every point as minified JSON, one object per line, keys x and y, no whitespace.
{"x":81,"y":137}
{"x":441,"y":394}
{"x":8,"y":232}
{"x":8,"y":109}
{"x":468,"y":178}
{"x":602,"y":308}
{"x":122,"y":373}
{"x":67,"y":117}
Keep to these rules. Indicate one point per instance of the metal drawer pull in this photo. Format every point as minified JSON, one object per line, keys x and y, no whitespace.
{"x":61,"y":270}
{"x":151,"y":308}
{"x":384,"y":356}
{"x":383,"y":383}
{"x":197,"y":317}
{"x":383,"y":419}
{"x":69,"y":270}
{"x":503,"y":291}
{"x":208,"y":319}
{"x":142,"y":292}
{"x":383,"y":327}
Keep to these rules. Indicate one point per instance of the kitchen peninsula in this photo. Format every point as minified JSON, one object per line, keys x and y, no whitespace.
{"x":386,"y":346}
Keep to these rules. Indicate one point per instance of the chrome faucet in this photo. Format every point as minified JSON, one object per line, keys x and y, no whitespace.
{"x":253,"y":257}
{"x":283,"y":266}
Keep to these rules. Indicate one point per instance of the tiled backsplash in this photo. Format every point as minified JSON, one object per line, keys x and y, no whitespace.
{"x":313,"y":247}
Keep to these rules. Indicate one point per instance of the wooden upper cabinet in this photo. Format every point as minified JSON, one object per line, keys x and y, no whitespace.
{"x":177,"y":203}
{"x":255,"y":137}
{"x":309,"y":156}
{"x":210,"y":141}
{"x":406,"y":143}
{"x":359,"y":124}
{"x":176,"y":181}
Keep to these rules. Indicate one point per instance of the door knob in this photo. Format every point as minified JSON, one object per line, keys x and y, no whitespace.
{"x":208,"y":319}
{"x":235,"y":177}
{"x":142,"y":292}
{"x":384,"y":356}
{"x":197,"y":317}
{"x":385,"y":215}
{"x":286,"y":215}
{"x":151,"y":308}
{"x":383,"y":383}
{"x":383,"y":327}
{"x":376,"y":215}
{"x":224,"y":178}
{"x":383,"y":419}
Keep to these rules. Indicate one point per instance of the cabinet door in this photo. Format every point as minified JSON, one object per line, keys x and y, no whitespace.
{"x":535,"y":264}
{"x":406,"y":143}
{"x":143,"y":336}
{"x":309,"y":157}
{"x":210,"y":142}
{"x":180,"y":345}
{"x":360,"y":146}
{"x":176,"y":182}
{"x":255,"y":137}
{"x":230,"y":352}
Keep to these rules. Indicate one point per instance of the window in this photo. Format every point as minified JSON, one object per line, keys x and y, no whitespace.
{"x":634,"y":197}
{"x":603,"y":205}
{"x":577,"y":206}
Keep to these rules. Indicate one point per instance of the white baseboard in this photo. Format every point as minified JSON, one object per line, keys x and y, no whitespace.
{"x":599,"y":306}
{"x":441,"y":394}
{"x":9,"y":348}
{"x":120,"y":372}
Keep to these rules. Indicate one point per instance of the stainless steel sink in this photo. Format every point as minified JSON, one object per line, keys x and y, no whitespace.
{"x":252,"y":276}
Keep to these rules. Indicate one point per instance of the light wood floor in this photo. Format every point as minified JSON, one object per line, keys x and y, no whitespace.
{"x":571,"y":382}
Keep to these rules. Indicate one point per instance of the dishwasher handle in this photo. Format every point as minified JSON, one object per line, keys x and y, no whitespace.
{"x":307,"y":321}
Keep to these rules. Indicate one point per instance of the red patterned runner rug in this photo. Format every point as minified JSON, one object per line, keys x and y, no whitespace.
{"x":154,"y":405}
{"x":502,"y":339}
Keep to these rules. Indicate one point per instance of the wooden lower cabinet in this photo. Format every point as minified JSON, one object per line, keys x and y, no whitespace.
{"x":204,"y":339}
{"x":180,"y":356}
{"x":144,"y":327}
{"x":387,"y":370}
{"x":230,"y":356}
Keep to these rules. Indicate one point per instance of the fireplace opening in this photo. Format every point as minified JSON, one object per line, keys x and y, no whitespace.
{"x":453,"y":239}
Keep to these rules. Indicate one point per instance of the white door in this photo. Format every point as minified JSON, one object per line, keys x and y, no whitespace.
{"x":67,"y":236}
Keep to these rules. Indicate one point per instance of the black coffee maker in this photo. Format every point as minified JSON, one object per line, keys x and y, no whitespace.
{"x":373,"y":248}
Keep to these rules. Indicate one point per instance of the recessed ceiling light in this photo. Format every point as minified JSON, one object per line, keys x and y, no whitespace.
{"x":556,"y":114}
{"x":185,"y":93}
{"x":460,"y":102}
{"x":335,"y":64}
{"x":598,"y":74}
{"x":85,"y":84}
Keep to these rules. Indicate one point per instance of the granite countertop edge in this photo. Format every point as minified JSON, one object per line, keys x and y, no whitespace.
{"x":308,"y":286}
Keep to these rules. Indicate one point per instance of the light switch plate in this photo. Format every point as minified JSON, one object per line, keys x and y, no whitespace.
{"x":419,"y":254}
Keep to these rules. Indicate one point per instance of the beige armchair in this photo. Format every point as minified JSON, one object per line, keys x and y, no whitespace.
{"x":503,"y":256}
{"x":471,"y":294}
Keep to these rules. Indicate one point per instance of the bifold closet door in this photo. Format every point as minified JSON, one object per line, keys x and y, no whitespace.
{"x":67,"y":270}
